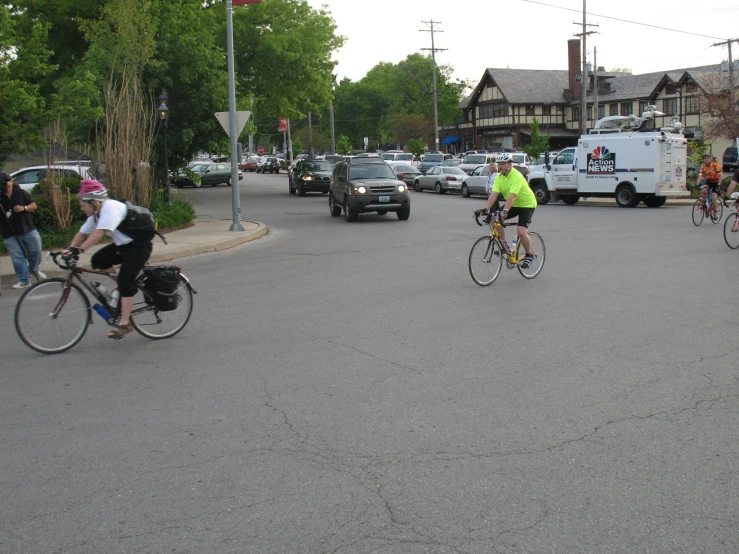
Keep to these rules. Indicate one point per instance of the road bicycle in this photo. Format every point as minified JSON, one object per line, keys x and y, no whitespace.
{"x":488,"y":252}
{"x":731,"y":225}
{"x":701,"y":208}
{"x":53,"y":315}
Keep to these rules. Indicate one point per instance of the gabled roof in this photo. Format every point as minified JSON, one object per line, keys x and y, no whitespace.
{"x":530,"y":86}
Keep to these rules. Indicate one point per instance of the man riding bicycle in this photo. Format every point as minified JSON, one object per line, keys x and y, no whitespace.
{"x":104,"y":217}
{"x":732,"y":187}
{"x":709,"y":176}
{"x":520,"y":202}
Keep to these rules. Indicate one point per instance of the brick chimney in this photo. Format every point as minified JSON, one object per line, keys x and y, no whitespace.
{"x":574,"y":67}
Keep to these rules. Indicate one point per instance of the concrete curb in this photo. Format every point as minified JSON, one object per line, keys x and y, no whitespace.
{"x":202,"y":237}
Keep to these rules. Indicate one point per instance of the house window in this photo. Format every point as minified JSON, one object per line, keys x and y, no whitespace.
{"x":601,"y":111}
{"x":590,"y":112}
{"x":626,"y":108}
{"x":560,"y":108}
{"x":576,"y":113}
{"x":530,"y":109}
{"x":691,"y":88}
{"x":643,"y":107}
{"x":546,"y":109}
{"x":692,"y":105}
{"x":500,"y":109}
{"x":486,"y":111}
{"x":670,"y":89}
{"x":612,"y":109}
{"x":669,"y":106}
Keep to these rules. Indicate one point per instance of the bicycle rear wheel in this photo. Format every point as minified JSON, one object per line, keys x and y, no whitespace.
{"x":486,"y":261}
{"x":155,"y":324}
{"x":539,"y":252}
{"x":731,"y":231}
{"x":698,"y":213}
{"x":51,"y":317}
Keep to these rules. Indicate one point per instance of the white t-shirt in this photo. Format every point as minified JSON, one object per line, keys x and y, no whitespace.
{"x":490,"y":181}
{"x":112,"y":213}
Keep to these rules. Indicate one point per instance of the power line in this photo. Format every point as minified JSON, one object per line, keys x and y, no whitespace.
{"x":624,"y":20}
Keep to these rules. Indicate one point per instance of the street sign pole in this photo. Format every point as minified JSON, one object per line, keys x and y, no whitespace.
{"x":235,"y":201}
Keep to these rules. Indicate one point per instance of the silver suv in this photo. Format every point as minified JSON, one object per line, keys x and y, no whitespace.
{"x":362,"y":185}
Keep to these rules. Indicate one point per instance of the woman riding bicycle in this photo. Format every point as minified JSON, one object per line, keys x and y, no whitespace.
{"x":104,"y":217}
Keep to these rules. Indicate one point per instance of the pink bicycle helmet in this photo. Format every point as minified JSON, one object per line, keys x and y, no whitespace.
{"x":92,"y":190}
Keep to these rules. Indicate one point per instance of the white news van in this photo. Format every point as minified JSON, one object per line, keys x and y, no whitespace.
{"x":631,"y":164}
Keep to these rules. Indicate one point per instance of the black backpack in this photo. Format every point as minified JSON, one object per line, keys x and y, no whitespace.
{"x":139,"y":224}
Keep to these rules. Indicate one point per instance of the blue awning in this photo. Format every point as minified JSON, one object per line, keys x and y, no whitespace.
{"x":451,"y":139}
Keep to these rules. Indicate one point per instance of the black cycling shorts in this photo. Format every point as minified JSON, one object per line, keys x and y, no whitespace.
{"x":713,"y":186}
{"x":524,"y":216}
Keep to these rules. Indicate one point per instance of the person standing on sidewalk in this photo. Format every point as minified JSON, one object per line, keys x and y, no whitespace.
{"x":19,"y":232}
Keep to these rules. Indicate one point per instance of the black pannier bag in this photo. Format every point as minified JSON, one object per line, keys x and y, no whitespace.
{"x":161,"y":283}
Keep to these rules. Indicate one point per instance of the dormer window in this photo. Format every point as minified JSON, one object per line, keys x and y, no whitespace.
{"x":670,"y":89}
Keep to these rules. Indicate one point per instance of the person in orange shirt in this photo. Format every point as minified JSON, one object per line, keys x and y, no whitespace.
{"x":710,"y":176}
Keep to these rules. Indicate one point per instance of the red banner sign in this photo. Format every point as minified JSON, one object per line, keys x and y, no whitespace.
{"x":283,"y":125}
{"x":240,"y":2}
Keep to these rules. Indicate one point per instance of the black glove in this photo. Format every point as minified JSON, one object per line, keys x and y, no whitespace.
{"x":74,"y":251}
{"x":481,"y":212}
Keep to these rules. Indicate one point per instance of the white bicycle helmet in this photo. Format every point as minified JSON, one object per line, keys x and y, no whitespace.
{"x":504,"y":157}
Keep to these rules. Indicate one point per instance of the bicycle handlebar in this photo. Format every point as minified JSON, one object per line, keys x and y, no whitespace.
{"x":478,"y":213}
{"x":68,"y":262}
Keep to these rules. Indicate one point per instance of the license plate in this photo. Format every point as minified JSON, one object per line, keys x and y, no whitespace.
{"x":384,"y":199}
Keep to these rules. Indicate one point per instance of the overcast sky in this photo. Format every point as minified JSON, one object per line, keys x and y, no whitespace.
{"x":523,"y":35}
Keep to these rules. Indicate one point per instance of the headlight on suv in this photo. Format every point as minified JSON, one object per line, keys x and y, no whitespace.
{"x":360,"y":189}
{"x":401,"y":188}
{"x":307,"y":178}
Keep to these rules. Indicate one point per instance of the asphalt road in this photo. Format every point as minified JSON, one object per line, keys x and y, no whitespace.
{"x":347,"y":388}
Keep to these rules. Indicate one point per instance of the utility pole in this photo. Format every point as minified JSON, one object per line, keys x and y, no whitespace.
{"x":310,"y":135}
{"x":331,"y":113}
{"x":584,"y":71}
{"x":431,"y":29}
{"x":595,"y":86}
{"x":731,"y":70}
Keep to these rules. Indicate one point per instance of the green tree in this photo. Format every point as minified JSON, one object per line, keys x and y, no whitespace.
{"x":417,"y":146}
{"x":539,"y":143}
{"x":344,"y":146}
{"x":23,"y":65}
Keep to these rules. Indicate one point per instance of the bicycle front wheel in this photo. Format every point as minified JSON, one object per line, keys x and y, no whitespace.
{"x":731,"y":231}
{"x":52,"y":316}
{"x":716,"y":216}
{"x":698,"y":212}
{"x":486,"y":261}
{"x":539,"y":252}
{"x":155,"y":324}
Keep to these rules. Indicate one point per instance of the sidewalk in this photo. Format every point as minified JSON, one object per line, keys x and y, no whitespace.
{"x":203,"y":236}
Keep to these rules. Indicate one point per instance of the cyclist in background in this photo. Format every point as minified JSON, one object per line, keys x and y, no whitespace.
{"x":732,"y":186}
{"x":520,"y":202}
{"x":710,"y":172}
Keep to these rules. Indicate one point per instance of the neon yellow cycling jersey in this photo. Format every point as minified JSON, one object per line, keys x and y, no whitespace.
{"x":515,"y":183}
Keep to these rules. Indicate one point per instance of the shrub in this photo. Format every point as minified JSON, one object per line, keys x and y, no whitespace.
{"x":67,"y":184}
{"x":180,"y":214}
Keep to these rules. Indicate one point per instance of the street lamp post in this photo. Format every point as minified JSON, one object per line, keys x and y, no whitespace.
{"x":164,"y":116}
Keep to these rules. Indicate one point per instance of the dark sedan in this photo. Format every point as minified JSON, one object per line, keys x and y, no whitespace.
{"x":210,"y":174}
{"x":406,"y":173}
{"x":309,"y":176}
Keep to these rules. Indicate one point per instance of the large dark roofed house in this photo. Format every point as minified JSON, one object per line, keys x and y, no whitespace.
{"x":501,"y":108}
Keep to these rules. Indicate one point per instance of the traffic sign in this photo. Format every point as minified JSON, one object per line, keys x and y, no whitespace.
{"x":241,"y":119}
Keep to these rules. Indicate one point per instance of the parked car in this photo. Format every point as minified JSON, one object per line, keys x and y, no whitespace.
{"x":432,"y":159}
{"x":28,"y":177}
{"x":268,"y":163}
{"x":731,"y":159}
{"x":521,"y":161}
{"x":309,"y":176}
{"x":212,"y":174}
{"x":333,"y":159}
{"x":451,"y":162}
{"x":473,"y":161}
{"x":477,"y":182}
{"x":361,"y":185}
{"x":390,"y":155}
{"x":250,"y":163}
{"x":406,"y":173}
{"x":441,"y":179}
